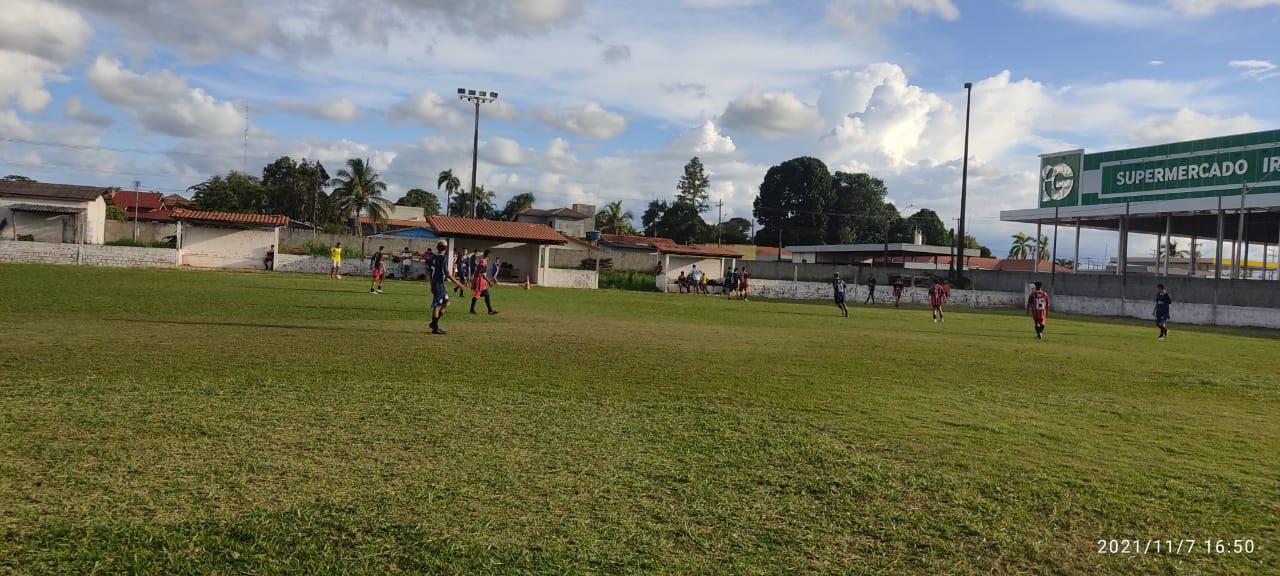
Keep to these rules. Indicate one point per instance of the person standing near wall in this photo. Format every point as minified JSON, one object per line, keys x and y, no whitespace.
{"x":937,"y":299}
{"x":379,"y":269}
{"x":838,"y":288}
{"x":270,"y":260}
{"x":335,"y":261}
{"x":871,"y":290}
{"x":1164,"y":303}
{"x":730,"y":283}
{"x":1038,"y":308}
{"x":744,"y":284}
{"x":897,"y":291}
{"x":406,"y":263}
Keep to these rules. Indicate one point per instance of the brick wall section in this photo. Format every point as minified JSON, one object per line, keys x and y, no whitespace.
{"x":87,"y":254}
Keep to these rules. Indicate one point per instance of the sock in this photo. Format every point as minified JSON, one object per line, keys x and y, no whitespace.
{"x":473,"y":305}
{"x":486,"y":303}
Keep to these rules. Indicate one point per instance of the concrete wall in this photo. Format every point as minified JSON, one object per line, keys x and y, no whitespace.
{"x":563,"y":278}
{"x":93,"y":219}
{"x":210,"y":247}
{"x":320,"y":265}
{"x":147,"y":231}
{"x":631,"y":260}
{"x":87,"y":254}
{"x":788,"y":290}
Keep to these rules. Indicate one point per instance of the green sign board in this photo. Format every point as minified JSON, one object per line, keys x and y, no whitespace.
{"x":1209,"y":167}
{"x":1212,"y":171}
{"x":1060,"y":176}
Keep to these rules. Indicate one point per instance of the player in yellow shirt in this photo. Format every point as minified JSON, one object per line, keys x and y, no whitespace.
{"x":335,"y":254}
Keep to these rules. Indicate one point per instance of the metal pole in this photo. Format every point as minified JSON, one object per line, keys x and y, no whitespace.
{"x":1217,"y":264}
{"x":1235,"y":246}
{"x":475,"y":154}
{"x":1053,"y":259}
{"x":1168,"y":240}
{"x":136,"y":192}
{"x":1191,"y":256}
{"x":1075,"y":267}
{"x":719,"y":220}
{"x":964,"y":186}
{"x":1039,"y":245}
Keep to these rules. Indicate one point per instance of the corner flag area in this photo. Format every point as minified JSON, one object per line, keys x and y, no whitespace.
{"x":166,"y":421}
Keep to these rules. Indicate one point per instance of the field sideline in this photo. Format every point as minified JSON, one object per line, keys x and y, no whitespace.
{"x":187,"y":422}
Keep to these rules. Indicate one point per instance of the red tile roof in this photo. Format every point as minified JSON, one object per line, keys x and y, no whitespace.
{"x":553,"y":213}
{"x":494,"y":230}
{"x":231,"y":217}
{"x":669,"y":246}
{"x":145,"y":200}
{"x":177,"y":201}
{"x":155,"y":216}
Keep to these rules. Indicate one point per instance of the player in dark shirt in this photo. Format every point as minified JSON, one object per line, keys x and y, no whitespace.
{"x":871,"y":290}
{"x":838,"y":292}
{"x":440,"y":273}
{"x":379,"y":269}
{"x":1163,"y":303}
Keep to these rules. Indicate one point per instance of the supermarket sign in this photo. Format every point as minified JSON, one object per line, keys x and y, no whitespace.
{"x":1194,"y":169}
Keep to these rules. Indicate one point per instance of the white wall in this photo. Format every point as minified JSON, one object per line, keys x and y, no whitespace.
{"x":710,"y":266}
{"x":87,"y":254}
{"x":564,"y":278}
{"x":209,"y":247}
{"x":94,"y":218}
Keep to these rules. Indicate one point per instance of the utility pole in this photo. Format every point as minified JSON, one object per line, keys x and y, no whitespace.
{"x":719,"y":220}
{"x":137,"y":186}
{"x":244,"y":161}
{"x":964,"y":188}
{"x":476,"y":97}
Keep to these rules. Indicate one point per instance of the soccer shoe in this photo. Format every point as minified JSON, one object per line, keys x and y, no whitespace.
{"x":493,"y":312}
{"x":439,"y":331}
{"x":1039,"y":336}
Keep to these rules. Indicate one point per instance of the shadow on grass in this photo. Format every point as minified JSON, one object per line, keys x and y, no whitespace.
{"x":245,"y":325}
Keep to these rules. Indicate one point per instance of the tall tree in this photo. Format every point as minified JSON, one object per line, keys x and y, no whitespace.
{"x":237,"y":192}
{"x":521,"y":201}
{"x":793,"y":200}
{"x":693,"y":186}
{"x":859,"y":213}
{"x":419,"y":198}
{"x":462,"y":202}
{"x":451,"y":185}
{"x":1021,"y":248}
{"x":932,"y":231}
{"x":358,"y":190}
{"x":652,"y":216}
{"x":1042,"y":248}
{"x":682,"y":223}
{"x":971,"y":243}
{"x":613,"y":219}
{"x":736,"y":231}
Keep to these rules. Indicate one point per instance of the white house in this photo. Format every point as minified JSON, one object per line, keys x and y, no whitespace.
{"x":58,"y":213}
{"x":573,"y":222}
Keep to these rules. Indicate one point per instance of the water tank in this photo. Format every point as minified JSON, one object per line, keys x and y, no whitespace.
{"x":593,"y":235}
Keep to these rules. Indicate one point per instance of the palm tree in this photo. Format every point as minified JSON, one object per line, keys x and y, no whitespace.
{"x":614,"y":220}
{"x":1021,"y":249}
{"x":451,"y":185}
{"x":483,"y":203}
{"x":521,"y":201}
{"x":1042,"y":248}
{"x":358,"y":189}
{"x":1170,"y":248}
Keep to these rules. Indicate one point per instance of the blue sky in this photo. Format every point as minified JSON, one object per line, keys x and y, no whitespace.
{"x":606,"y":100}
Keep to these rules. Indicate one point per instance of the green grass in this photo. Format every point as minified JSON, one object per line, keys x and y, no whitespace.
{"x":628,"y":280}
{"x":182,"y":422}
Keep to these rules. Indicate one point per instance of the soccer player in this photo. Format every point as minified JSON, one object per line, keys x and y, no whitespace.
{"x":335,"y":257}
{"x":1163,"y":303}
{"x":871,"y":290}
{"x":460,"y":268}
{"x":730,"y":283}
{"x":406,"y":263}
{"x":937,"y":298}
{"x":837,"y":285}
{"x":744,"y":284}
{"x":440,"y":272}
{"x":379,"y":270}
{"x":897,"y":291}
{"x":480,"y":286}
{"x":1038,"y":308}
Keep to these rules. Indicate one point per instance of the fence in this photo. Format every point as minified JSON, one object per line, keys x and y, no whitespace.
{"x":87,"y":254}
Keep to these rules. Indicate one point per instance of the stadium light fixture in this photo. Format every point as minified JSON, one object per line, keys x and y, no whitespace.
{"x":476,"y":97}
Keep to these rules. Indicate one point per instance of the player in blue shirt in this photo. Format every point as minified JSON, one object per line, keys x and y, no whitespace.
{"x":838,"y":288}
{"x":1163,"y":303}
{"x":440,"y":273}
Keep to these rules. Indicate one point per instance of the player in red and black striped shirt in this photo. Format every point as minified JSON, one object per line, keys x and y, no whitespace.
{"x":937,"y":298}
{"x":1038,"y":308}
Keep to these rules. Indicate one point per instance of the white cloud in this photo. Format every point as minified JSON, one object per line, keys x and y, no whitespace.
{"x":1187,"y":124}
{"x":502,"y":151}
{"x":429,"y":109}
{"x":771,"y":114}
{"x":334,"y":109}
{"x":589,"y":121}
{"x":76,"y":110}
{"x":704,"y":140}
{"x":1256,"y":69}
{"x":37,"y":39}
{"x":721,"y":3}
{"x":200,"y":29}
{"x":863,"y":18}
{"x":1208,"y":7}
{"x":1156,"y":62}
{"x":162,"y":101}
{"x":1132,"y":14}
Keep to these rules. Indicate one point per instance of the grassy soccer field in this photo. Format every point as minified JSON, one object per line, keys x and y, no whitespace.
{"x":204,"y":422}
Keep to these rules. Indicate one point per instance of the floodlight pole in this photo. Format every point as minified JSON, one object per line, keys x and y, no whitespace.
{"x":964,"y":189}
{"x":476,"y":97}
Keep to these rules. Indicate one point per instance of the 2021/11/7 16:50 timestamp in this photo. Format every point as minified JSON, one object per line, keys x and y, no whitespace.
{"x":1175,"y":546}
